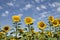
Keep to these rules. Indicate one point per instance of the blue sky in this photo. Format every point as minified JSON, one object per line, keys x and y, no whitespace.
{"x":39,"y":10}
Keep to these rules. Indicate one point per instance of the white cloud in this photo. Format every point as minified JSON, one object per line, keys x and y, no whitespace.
{"x":14,"y":0}
{"x":1,"y":7}
{"x":38,"y":8}
{"x":27,"y":6}
{"x":5,"y":13}
{"x":20,"y":15}
{"x":58,"y":9}
{"x":54,"y":4}
{"x":42,"y":15}
{"x":21,"y":9}
{"x":43,"y":6}
{"x":57,"y":3}
{"x":37,"y":1}
{"x":10,"y":4}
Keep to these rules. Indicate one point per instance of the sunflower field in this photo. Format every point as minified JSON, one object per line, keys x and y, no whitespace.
{"x":28,"y":33}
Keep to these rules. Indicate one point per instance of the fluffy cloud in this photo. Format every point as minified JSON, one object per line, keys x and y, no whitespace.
{"x":58,"y":9}
{"x":43,"y":6}
{"x":5,"y":13}
{"x":20,"y":15}
{"x":57,"y":4}
{"x":1,"y":7}
{"x":14,"y":0}
{"x":38,"y":8}
{"x":54,"y":4}
{"x":37,"y":1}
{"x":10,"y":4}
{"x":42,"y":15}
{"x":27,"y":6}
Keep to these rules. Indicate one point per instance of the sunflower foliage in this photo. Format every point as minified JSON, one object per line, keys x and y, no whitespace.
{"x":47,"y":31}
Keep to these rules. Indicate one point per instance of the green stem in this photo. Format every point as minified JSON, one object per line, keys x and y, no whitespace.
{"x":50,"y":28}
{"x":42,"y":30}
{"x":55,"y":30}
{"x":29,"y":31}
{"x":29,"y":27}
{"x":6,"y":36}
{"x":16,"y":31}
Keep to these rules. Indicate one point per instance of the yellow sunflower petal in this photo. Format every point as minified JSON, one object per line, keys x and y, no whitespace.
{"x":58,"y":21}
{"x":6,"y":28}
{"x":51,"y":18}
{"x":36,"y":33}
{"x":55,"y":23}
{"x":16,"y":18}
{"x":28,"y":20}
{"x":32,"y":31}
{"x":41,"y":25}
{"x":49,"y":33}
{"x":12,"y":39}
{"x":21,"y":30}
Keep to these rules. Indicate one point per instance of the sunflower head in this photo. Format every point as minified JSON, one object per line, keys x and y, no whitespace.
{"x":49,"y":33}
{"x":41,"y":25}
{"x":32,"y":31}
{"x":55,"y":23}
{"x":51,"y":18}
{"x":36,"y":33}
{"x":1,"y":34}
{"x":58,"y":33}
{"x":58,"y":21}
{"x":6,"y":28}
{"x":21,"y":30}
{"x":16,"y":18}
{"x":12,"y":39}
{"x":28,"y":20}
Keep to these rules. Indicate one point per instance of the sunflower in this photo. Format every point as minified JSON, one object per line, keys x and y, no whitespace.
{"x":12,"y":39}
{"x":51,"y":18}
{"x":6,"y":28}
{"x":41,"y":25}
{"x":1,"y":33}
{"x":16,"y":18}
{"x":59,"y":21}
{"x":36,"y":33}
{"x":49,"y":33}
{"x":32,"y":31}
{"x":58,"y":33}
{"x":55,"y":23}
{"x":28,"y":20}
{"x":21,"y":30}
